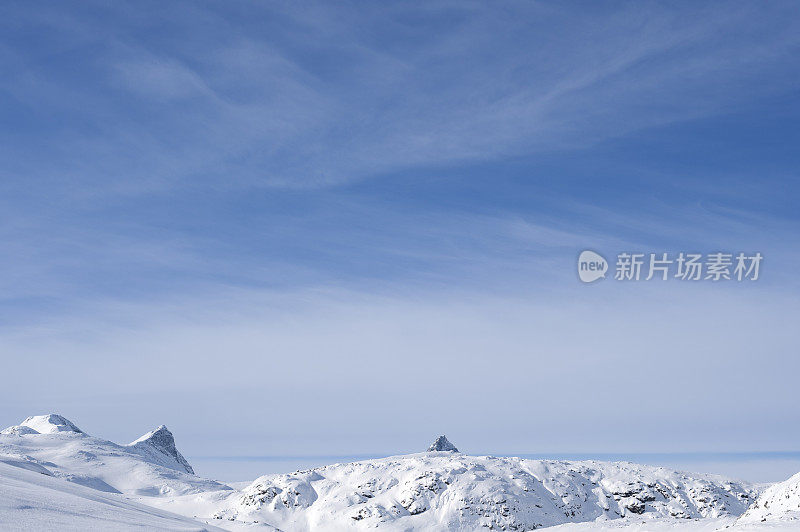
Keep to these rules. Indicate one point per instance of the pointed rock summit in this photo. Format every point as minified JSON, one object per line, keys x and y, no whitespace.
{"x":46,"y":424}
{"x":442,"y":444}
{"x":162,"y":441}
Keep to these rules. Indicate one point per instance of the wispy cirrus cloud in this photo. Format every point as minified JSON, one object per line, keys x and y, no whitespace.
{"x":266,"y":108}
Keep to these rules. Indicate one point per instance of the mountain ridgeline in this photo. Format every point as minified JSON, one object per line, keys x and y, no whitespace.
{"x":433,"y":490}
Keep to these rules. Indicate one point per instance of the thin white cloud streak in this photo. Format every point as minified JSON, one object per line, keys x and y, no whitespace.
{"x":373,"y":247}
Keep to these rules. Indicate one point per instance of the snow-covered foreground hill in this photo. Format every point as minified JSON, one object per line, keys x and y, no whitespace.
{"x":32,"y":499}
{"x":53,"y":476}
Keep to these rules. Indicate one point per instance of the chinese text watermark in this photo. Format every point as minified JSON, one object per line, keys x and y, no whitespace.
{"x":683,"y":266}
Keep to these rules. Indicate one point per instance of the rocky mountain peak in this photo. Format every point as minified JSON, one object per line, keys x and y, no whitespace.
{"x":162,"y":440}
{"x":442,"y":444}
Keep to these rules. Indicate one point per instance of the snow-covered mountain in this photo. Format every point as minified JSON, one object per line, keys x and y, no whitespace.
{"x":779,"y":503}
{"x":49,"y":466}
{"x":447,"y":490}
{"x":149,"y":466}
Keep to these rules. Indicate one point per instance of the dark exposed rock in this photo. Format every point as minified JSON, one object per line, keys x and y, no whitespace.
{"x":442,"y":444}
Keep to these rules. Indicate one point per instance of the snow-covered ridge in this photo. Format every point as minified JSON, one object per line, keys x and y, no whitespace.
{"x":449,"y":490}
{"x":441,"y":489}
{"x":779,"y":503}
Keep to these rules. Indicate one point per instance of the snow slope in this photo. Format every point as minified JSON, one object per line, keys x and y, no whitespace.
{"x":32,"y":499}
{"x":150,"y":466}
{"x":779,"y":503}
{"x":47,"y":424}
{"x":722,"y":524}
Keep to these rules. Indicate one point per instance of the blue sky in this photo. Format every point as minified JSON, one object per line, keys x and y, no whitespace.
{"x":347,"y":228}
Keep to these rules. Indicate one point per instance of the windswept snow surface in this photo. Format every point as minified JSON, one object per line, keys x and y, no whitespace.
{"x":32,"y":499}
{"x":722,"y":524}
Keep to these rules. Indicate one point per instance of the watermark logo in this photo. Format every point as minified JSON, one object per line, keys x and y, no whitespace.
{"x":683,"y":266}
{"x":591,"y":266}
